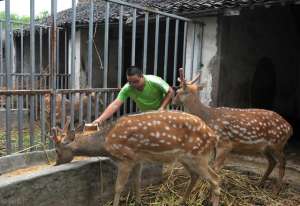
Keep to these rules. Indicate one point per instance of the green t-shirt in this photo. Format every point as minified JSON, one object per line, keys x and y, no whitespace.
{"x":152,"y":95}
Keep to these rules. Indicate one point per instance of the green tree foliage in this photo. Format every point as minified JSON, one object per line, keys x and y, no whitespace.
{"x":24,"y":19}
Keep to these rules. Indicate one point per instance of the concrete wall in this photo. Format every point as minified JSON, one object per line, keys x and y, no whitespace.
{"x":88,"y":182}
{"x":246,"y":39}
{"x":98,"y":58}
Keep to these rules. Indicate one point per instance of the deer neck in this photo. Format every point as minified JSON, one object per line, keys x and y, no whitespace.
{"x":196,"y":107}
{"x":91,"y":145}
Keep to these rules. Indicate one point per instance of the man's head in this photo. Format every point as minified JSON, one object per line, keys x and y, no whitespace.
{"x":135,"y":78}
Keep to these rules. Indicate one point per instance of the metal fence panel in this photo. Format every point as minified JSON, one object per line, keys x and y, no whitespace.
{"x":45,"y":92}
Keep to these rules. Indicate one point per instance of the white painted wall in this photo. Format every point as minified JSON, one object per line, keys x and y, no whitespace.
{"x":77,"y":58}
{"x":209,"y":54}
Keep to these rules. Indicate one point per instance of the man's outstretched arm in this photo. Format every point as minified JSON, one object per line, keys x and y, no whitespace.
{"x":109,"y":111}
{"x":167,"y":99}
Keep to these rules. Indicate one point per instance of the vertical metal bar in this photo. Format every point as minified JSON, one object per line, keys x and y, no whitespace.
{"x":40,"y":77}
{"x":184,"y":45}
{"x":41,"y":51}
{"x":96,"y":112}
{"x":53,"y":63}
{"x":73,"y":33}
{"x":66,"y":61}
{"x":106,"y":35}
{"x":106,"y":38}
{"x":120,"y":49}
{"x":11,"y":59}
{"x":73,"y":30}
{"x":8,"y":70}
{"x":97,"y":105}
{"x":20,"y":122}
{"x":63,"y":110}
{"x":133,"y":38}
{"x":61,"y":81}
{"x":156,"y":43}
{"x":90,"y":59}
{"x":1,"y":52}
{"x":32,"y":43}
{"x":90,"y":43}
{"x":72,"y":99}
{"x":80,"y":108}
{"x":42,"y":113}
{"x":112,"y":97}
{"x":193,"y":52}
{"x":133,"y":45}
{"x":57,"y":58}
{"x":166,"y":47}
{"x":201,"y":45}
{"x":22,"y":59}
{"x":32,"y":62}
{"x":175,"y":52}
{"x":1,"y":56}
{"x":145,"y":43}
{"x":49,"y":54}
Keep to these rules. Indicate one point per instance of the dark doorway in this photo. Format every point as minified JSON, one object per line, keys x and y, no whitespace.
{"x":263,"y":88}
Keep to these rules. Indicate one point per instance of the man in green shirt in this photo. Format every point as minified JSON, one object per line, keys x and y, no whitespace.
{"x":149,"y":92}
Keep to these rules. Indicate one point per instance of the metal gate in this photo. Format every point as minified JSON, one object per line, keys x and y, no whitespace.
{"x":41,"y":95}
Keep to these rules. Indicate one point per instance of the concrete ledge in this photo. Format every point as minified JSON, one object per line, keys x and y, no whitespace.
{"x":78,"y":183}
{"x":17,"y":161}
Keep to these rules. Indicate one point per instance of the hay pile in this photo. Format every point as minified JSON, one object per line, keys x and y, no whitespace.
{"x":238,"y":189}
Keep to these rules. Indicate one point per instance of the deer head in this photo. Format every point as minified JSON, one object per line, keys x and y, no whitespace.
{"x":62,"y":139}
{"x":187,"y":89}
{"x":64,"y":153}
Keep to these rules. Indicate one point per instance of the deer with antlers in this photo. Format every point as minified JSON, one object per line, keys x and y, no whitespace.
{"x":164,"y":137}
{"x":248,"y":131}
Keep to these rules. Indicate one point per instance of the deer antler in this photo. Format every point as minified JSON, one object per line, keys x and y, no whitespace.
{"x":68,"y":121}
{"x":195,"y":79}
{"x":181,"y":76}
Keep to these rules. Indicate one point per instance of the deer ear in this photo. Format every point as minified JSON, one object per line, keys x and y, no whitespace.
{"x":54,"y":137}
{"x":71,"y":134}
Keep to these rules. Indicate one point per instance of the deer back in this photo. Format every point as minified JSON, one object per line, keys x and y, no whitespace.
{"x":167,"y":132}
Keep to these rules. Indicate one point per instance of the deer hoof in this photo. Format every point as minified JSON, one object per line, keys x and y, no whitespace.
{"x":276,"y":190}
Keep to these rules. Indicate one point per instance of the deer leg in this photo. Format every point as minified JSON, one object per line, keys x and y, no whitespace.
{"x":194,"y":177}
{"x":282,"y":162}
{"x":272,"y":163}
{"x":221,"y":154}
{"x":214,"y":179}
{"x":137,"y":172}
{"x":124,"y":169}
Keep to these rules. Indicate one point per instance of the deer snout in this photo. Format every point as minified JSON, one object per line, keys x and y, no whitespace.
{"x":63,"y":154}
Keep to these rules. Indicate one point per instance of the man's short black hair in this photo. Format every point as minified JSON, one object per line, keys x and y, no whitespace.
{"x":133,"y":70}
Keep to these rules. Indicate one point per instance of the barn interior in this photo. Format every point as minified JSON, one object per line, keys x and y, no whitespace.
{"x":260,"y":63}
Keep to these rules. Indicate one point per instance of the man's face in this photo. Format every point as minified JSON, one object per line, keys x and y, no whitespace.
{"x":136,"y":81}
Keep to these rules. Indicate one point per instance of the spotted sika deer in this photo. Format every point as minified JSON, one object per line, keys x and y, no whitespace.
{"x":164,"y":137}
{"x":248,"y":131}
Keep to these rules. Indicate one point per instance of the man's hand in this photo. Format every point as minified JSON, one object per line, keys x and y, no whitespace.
{"x":161,"y":109}
{"x":98,"y":121}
